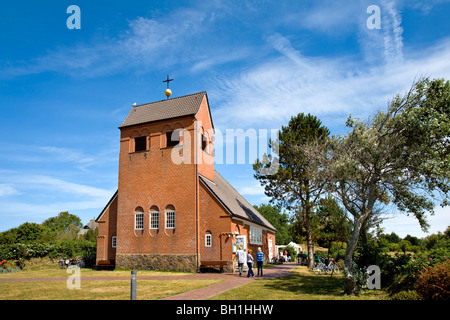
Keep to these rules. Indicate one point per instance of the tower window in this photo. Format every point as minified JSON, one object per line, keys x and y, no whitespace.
{"x":205,"y":144}
{"x":140,"y":144}
{"x":172,"y":138}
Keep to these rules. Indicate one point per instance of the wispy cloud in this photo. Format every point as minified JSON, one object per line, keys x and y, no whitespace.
{"x":37,"y":197}
{"x":7,"y":190}
{"x":79,"y":158}
{"x":393,"y":40}
{"x":148,"y":44}
{"x":278,"y":88}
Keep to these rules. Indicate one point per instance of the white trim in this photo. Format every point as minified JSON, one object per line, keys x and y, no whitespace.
{"x":208,"y":235}
{"x":151,"y":220}
{"x":174,"y":219}
{"x":135,"y":220}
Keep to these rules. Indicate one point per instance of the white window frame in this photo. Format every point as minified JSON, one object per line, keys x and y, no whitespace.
{"x":256,"y":235}
{"x":138,"y":220}
{"x":170,"y":219}
{"x":114,"y":241}
{"x":154,"y":220}
{"x":208,"y":240}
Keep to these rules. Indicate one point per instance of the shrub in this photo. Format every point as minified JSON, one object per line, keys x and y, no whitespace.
{"x":66,"y":248}
{"x":406,"y":295}
{"x":434,"y":282}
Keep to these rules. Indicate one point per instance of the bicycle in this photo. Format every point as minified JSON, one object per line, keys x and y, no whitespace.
{"x":320,"y":268}
{"x":333,"y":267}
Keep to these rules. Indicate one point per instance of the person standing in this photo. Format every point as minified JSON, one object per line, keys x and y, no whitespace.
{"x":250,"y":264}
{"x":240,"y":254}
{"x":260,"y":262}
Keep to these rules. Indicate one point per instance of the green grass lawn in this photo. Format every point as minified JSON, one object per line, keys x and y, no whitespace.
{"x":56,"y":272}
{"x":102,"y":289}
{"x":302,"y":284}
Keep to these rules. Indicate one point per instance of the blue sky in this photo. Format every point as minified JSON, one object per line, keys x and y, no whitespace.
{"x":63,"y":93}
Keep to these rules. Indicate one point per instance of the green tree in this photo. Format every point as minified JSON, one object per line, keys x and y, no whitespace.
{"x":391,"y":238}
{"x":279,"y":220}
{"x":9,"y":236}
{"x":401,"y":156}
{"x":330,"y":223}
{"x":296,"y":185}
{"x":64,"y":225}
{"x":27,"y":232}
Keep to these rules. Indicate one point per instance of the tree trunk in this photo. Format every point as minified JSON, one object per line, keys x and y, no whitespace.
{"x":309,"y":240}
{"x":351,"y":287}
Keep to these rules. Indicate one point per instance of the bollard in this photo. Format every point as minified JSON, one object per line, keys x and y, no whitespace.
{"x":133,"y":284}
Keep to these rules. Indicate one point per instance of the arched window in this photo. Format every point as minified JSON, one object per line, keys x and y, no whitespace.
{"x":154,"y":218}
{"x":139,"y":219}
{"x":170,"y":217}
{"x":208,"y":239}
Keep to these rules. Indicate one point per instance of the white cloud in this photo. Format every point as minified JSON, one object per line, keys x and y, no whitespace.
{"x":52,"y":155}
{"x":275,"y":90}
{"x":403,"y":225}
{"x":7,"y":190}
{"x":34,"y":197}
{"x":252,"y":188}
{"x":147,"y":44}
{"x":50,"y":186}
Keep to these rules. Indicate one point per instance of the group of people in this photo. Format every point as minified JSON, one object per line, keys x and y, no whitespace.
{"x":243,"y":258}
{"x":284,"y":256}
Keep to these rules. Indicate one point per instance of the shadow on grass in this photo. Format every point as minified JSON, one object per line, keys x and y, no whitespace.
{"x":308,"y":284}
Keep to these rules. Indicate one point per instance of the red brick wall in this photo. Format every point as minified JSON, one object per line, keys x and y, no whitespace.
{"x":149,"y":179}
{"x":216,"y":221}
{"x":107,"y":229}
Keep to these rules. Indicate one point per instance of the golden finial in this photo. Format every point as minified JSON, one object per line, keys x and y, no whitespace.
{"x":168,"y":92}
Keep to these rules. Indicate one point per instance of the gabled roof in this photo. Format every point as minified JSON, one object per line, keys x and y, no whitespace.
{"x":107,"y":205}
{"x":234,"y":202}
{"x":164,"y":109}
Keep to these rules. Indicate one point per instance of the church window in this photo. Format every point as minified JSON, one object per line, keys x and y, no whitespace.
{"x":255,"y":235}
{"x":208,"y":240}
{"x":205,"y":143}
{"x":139,"y":219}
{"x":140,"y":144}
{"x":172,"y":138}
{"x":170,"y":217}
{"x":154,"y":218}
{"x":113,"y":241}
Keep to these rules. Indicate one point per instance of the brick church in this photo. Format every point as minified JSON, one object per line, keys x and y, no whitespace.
{"x":172,"y":210}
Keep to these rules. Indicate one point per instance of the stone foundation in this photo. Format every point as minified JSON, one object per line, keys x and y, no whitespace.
{"x":167,"y":262}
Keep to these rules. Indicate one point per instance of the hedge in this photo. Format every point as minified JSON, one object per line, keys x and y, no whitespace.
{"x":61,"y":249}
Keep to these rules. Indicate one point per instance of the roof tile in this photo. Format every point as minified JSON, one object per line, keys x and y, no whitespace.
{"x":164,"y":109}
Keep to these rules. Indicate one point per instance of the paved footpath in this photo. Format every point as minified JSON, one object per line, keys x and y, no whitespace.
{"x":232,"y":280}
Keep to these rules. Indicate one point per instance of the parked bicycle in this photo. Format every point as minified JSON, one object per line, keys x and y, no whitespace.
{"x":65,"y":263}
{"x":324,"y":268}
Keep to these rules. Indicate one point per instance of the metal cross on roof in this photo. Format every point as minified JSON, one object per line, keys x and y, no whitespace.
{"x":168,"y":80}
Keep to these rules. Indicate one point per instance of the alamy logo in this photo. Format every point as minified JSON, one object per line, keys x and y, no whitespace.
{"x":230,"y":147}
{"x":374,"y":21}
{"x":374,"y":279}
{"x":74,"y":21}
{"x":74,"y":281}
